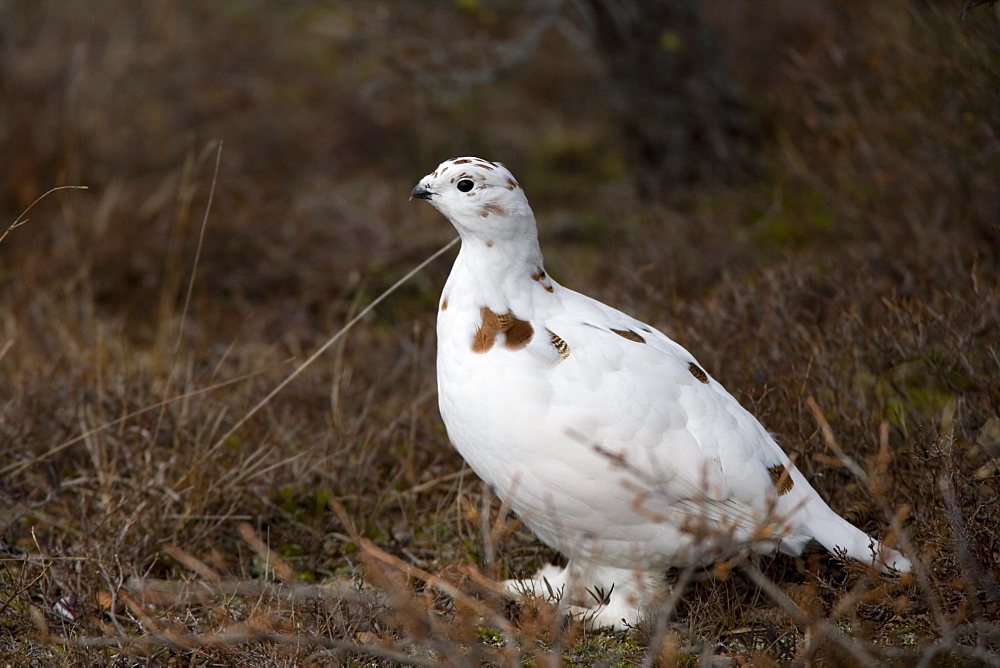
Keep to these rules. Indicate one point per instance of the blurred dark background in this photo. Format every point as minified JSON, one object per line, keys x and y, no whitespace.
{"x":698,"y":125}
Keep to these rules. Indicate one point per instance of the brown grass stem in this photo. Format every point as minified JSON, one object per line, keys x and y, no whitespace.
{"x":21,"y":220}
{"x":323,"y":348}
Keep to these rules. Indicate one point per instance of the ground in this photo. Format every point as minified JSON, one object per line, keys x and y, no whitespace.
{"x":158,"y":504}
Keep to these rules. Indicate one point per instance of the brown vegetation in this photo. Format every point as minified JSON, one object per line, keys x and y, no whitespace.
{"x":152,"y":507}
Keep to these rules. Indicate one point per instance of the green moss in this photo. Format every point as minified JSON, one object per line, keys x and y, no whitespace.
{"x":290,"y":550}
{"x":795,"y":217}
{"x":609,"y":648}
{"x":671,"y":41}
{"x":308,"y":505}
{"x":483,"y":12}
{"x":490,"y":636}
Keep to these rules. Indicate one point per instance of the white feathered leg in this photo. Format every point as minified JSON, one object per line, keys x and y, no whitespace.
{"x":600,"y":596}
{"x":548,"y":583}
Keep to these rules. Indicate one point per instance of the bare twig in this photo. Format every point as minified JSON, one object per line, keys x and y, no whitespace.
{"x":428,"y":485}
{"x":15,"y":469}
{"x":197,"y":252}
{"x":323,"y":348}
{"x":21,"y":220}
{"x":190,"y":288}
{"x":175,"y":591}
{"x":436,"y":582}
{"x":248,"y":634}
{"x":663,"y":614}
{"x":275,"y":562}
{"x":192,"y":562}
{"x":823,"y":627}
{"x":831,"y":442}
{"x":976,"y":576}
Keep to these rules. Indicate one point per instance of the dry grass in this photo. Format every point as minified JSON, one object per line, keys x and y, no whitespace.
{"x":148,"y":512}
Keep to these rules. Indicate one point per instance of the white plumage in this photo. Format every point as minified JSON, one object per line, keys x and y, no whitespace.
{"x":606,"y":437}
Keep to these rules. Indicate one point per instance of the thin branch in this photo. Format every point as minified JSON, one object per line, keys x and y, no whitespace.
{"x":437,"y":582}
{"x":856,"y":649}
{"x":21,"y":220}
{"x":175,"y":591}
{"x":15,"y":469}
{"x":323,"y":348}
{"x":250,"y":634}
{"x":831,"y":442}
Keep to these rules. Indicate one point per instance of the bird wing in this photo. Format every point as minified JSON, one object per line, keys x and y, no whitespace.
{"x":654,"y":410}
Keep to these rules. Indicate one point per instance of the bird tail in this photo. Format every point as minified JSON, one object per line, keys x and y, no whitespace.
{"x":838,"y":535}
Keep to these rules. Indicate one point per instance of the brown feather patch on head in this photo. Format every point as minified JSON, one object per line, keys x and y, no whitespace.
{"x":460,"y":162}
{"x":629,"y":334}
{"x":781,"y":478}
{"x":492,"y":208}
{"x":444,"y":304}
{"x":518,"y":332}
{"x":511,"y":184}
{"x":698,"y":372}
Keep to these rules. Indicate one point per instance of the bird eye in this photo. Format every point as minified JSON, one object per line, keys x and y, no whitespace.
{"x":465,"y":185}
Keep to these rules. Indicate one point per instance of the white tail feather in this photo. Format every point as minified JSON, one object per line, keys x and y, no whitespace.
{"x":837,"y":534}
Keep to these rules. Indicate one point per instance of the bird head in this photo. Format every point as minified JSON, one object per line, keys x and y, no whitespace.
{"x":480,"y":198}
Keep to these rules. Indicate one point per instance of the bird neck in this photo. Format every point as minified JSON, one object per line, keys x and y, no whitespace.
{"x":499,"y":275}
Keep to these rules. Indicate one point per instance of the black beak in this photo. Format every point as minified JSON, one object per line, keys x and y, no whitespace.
{"x":421,"y":192}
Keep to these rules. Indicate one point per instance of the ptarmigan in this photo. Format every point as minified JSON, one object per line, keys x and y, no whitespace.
{"x":608,"y":439}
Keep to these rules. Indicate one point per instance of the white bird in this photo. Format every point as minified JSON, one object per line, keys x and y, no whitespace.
{"x":608,"y":439}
